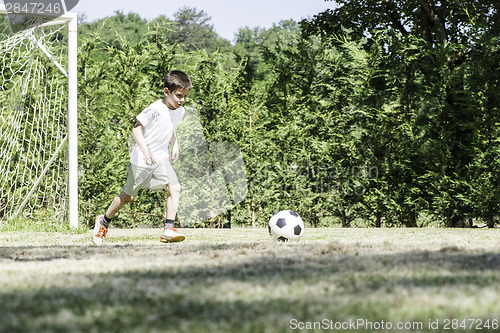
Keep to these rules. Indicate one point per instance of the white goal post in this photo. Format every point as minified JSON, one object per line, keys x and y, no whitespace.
{"x":65,"y":138}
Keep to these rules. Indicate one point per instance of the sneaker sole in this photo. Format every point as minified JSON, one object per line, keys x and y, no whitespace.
{"x":175,"y":239}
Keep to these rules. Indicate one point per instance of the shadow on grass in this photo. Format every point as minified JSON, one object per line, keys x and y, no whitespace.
{"x":258,"y":290}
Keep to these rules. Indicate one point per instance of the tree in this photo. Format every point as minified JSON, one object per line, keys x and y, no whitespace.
{"x":376,"y":111}
{"x":117,"y":28}
{"x":430,"y":48}
{"x":194,"y":30}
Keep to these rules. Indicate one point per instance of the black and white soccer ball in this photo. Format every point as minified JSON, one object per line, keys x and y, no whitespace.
{"x":286,"y":226}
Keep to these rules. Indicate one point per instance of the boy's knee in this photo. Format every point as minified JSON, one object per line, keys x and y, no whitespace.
{"x":126,"y":198}
{"x":174,"y":189}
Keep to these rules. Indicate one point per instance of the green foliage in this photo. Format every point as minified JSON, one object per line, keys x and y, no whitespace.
{"x":192,"y":28}
{"x":41,"y":221}
{"x":363,"y":113}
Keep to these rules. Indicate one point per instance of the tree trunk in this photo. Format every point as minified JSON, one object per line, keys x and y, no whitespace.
{"x":343,"y":218}
{"x":378,"y":220}
{"x":490,"y":221}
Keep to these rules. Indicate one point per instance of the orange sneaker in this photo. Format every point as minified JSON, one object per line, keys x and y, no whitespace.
{"x":171,"y":235}
{"x":99,"y":233}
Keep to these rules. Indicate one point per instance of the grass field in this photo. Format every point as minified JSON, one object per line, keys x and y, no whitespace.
{"x":239,"y":280}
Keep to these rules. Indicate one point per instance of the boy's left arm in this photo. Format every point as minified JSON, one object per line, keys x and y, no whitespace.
{"x":175,"y":147}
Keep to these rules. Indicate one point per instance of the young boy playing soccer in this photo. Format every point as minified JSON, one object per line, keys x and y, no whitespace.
{"x":150,"y":160}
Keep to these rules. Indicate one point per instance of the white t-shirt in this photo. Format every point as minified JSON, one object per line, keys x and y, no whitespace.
{"x":158,"y":123}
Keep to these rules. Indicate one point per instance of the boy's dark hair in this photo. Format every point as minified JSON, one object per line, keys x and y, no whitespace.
{"x":177,"y":80}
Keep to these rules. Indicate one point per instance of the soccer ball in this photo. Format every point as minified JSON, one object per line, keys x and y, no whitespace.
{"x":286,"y":225}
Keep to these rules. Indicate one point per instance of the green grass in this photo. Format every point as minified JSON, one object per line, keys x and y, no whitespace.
{"x":38,"y":225}
{"x":239,"y":280}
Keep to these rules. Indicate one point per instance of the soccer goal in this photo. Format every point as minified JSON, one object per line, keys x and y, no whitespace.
{"x":38,"y":117}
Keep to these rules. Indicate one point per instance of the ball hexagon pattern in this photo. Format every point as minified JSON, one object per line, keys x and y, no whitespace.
{"x":286,"y":226}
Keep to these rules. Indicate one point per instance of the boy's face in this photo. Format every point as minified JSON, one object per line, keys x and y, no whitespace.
{"x":175,"y":99}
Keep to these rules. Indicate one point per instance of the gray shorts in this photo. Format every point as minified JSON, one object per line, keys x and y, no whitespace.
{"x":154,"y":178}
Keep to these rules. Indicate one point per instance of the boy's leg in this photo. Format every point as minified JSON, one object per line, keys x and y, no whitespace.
{"x":174,"y":192}
{"x":118,"y":204}
{"x":101,"y":226}
{"x":170,"y":234}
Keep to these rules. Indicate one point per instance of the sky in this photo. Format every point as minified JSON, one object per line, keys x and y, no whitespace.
{"x":227,"y":15}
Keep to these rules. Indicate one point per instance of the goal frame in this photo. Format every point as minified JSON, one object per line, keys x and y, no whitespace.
{"x":71,"y":20}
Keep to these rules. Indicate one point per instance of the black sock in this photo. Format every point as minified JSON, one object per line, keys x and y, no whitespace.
{"x":105,"y":221}
{"x":169,"y":223}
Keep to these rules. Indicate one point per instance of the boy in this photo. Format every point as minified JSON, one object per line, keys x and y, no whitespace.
{"x":149,"y":160}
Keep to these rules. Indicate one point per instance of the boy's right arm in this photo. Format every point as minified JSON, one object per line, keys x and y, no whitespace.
{"x":139,"y":138}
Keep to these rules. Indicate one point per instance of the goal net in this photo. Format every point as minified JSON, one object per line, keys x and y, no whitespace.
{"x":36,"y":171}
